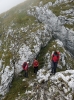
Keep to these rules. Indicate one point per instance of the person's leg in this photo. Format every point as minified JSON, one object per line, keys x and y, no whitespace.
{"x":34,"y":69}
{"x":55,"y":66}
{"x":52,"y":67}
{"x":26,"y":73}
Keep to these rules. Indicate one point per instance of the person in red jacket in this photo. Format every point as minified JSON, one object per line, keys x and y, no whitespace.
{"x":35,"y":65}
{"x":25,"y":68}
{"x":54,"y":59}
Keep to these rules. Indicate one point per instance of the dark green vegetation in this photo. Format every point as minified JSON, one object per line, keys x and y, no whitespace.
{"x":63,"y":7}
{"x":19,"y":86}
{"x":15,"y":19}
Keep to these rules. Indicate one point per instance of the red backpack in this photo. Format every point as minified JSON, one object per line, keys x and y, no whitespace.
{"x":35,"y":63}
{"x":25,"y":66}
{"x":55,"y":57}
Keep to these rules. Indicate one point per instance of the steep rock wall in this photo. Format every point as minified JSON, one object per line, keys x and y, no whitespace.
{"x":56,"y":24}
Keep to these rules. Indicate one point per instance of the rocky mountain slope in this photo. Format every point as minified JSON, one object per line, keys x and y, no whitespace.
{"x":44,"y":86}
{"x":59,"y":25}
{"x":24,"y":31}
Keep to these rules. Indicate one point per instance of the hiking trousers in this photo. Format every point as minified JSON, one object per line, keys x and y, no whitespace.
{"x":35,"y":70}
{"x":54,"y":66}
{"x":26,"y":73}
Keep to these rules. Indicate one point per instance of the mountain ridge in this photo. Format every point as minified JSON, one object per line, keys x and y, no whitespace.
{"x":25,"y":33}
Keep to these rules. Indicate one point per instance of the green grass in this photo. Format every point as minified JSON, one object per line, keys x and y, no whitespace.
{"x":42,"y":53}
{"x":11,"y":15}
{"x":61,"y":7}
{"x":19,"y":86}
{"x":21,"y":19}
{"x":69,"y":26}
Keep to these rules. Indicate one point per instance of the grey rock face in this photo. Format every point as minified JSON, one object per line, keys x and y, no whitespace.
{"x":6,"y":79}
{"x":55,"y":25}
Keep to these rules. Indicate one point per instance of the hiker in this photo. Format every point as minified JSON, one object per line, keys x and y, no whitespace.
{"x":54,"y":61}
{"x":25,"y":68}
{"x":35,"y":65}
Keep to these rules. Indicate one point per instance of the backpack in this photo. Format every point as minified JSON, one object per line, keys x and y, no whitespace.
{"x":55,"y":57}
{"x":35,"y":63}
{"x":24,"y":65}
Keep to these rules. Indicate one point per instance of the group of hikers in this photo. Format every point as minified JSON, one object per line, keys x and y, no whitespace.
{"x":35,"y":66}
{"x":54,"y":62}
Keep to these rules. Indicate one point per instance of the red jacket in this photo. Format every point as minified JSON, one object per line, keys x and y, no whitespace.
{"x":55,"y":58}
{"x":35,"y":63}
{"x":25,"y":66}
